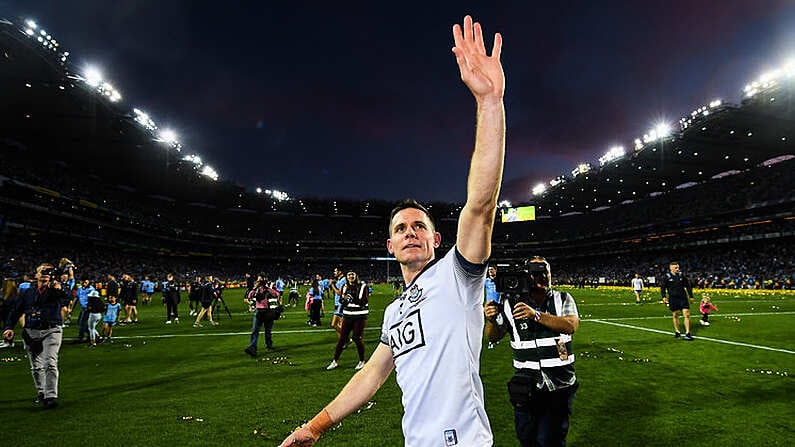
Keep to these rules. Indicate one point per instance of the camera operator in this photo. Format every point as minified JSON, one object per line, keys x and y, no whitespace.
{"x":42,"y":333}
{"x":268,"y":305}
{"x":540,"y":321}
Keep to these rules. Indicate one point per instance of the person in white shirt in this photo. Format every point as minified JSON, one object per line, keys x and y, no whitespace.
{"x":432,"y":334}
{"x":637,"y":287}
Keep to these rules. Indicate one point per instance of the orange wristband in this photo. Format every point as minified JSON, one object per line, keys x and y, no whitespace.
{"x":320,"y":423}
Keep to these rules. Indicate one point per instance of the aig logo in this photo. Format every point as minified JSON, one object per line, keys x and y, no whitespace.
{"x":407,"y":335}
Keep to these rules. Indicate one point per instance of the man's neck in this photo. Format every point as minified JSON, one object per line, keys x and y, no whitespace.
{"x":410,"y":271}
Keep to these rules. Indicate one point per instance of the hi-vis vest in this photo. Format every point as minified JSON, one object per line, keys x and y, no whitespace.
{"x":356,"y":307}
{"x":539,"y":352}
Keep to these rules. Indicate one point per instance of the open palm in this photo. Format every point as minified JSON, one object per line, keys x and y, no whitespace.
{"x":480,"y":72}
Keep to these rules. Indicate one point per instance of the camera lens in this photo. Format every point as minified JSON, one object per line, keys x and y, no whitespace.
{"x":511,"y":282}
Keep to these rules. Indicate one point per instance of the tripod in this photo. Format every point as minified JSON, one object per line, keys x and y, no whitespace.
{"x":217,"y":305}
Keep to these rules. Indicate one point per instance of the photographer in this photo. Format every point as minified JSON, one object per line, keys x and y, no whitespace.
{"x":268,"y":305}
{"x":540,"y":321}
{"x":42,"y":333}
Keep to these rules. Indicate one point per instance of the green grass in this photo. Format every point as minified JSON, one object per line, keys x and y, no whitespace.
{"x":179,"y":386}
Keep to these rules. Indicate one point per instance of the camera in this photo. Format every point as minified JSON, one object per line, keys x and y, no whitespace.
{"x":516,"y":281}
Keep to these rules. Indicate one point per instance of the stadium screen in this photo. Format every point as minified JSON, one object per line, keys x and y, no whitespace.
{"x":519,"y":214}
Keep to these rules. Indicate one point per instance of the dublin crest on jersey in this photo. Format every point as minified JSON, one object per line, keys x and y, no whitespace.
{"x":413,"y":294}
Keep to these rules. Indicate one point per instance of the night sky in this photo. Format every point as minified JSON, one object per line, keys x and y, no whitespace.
{"x":363,"y":99}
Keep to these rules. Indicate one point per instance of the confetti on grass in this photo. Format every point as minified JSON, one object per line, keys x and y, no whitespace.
{"x":767,"y":372}
{"x":10,"y":359}
{"x":276,"y":360}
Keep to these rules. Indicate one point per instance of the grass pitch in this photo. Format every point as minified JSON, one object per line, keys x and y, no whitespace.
{"x":181,"y":386}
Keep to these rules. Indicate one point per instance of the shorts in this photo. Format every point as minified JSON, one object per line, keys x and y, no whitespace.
{"x":109,"y":323}
{"x":676,"y":303}
{"x":207,"y":304}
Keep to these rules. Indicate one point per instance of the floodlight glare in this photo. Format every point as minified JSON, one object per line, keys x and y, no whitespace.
{"x":92,"y":76}
{"x":31,"y":24}
{"x":168,"y":136}
{"x":539,"y":189}
{"x":209,"y":172}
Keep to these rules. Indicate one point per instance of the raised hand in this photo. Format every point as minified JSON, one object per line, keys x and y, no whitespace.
{"x":480,"y":72}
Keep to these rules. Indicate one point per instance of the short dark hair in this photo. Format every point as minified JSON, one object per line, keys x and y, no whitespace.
{"x":410,"y":203}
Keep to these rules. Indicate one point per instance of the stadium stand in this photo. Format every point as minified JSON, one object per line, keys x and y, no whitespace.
{"x":718,"y":195}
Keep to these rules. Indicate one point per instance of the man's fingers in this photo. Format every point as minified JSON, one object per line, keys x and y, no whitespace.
{"x":480,"y":47}
{"x":496,"y":50}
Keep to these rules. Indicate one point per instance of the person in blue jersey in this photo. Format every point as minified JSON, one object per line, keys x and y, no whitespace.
{"x":110,"y":318}
{"x":491,"y":293}
{"x":540,"y":323}
{"x":336,"y":285}
{"x":432,"y":334}
{"x":148,"y":289}
{"x":316,"y":303}
{"x":82,"y":293}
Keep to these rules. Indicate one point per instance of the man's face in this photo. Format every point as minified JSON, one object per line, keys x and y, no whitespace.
{"x":40,"y":277}
{"x":351,"y":277}
{"x":540,"y":279}
{"x":337,"y":273}
{"x":674,"y":268}
{"x":492,"y":272}
{"x":86,"y":283}
{"x":412,"y":238}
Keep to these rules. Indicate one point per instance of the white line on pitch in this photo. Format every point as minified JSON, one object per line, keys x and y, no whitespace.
{"x":714,"y":316}
{"x":715,"y":340}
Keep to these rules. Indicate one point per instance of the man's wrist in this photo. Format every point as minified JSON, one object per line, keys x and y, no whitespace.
{"x":319,"y":424}
{"x":537,"y":317}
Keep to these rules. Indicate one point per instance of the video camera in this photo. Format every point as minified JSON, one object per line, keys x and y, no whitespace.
{"x":516,"y":281}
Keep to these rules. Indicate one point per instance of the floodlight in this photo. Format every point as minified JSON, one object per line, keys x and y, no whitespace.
{"x":30,"y":32}
{"x":539,"y":189}
{"x":93,"y":76}
{"x":209,"y":172}
{"x":504,"y":204}
{"x":259,"y":190}
{"x":31,"y":24}
{"x":168,"y":136}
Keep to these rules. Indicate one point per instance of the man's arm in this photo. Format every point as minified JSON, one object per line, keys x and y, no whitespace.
{"x":484,"y":76}
{"x":566,"y":324}
{"x":494,"y":332}
{"x":359,"y":389}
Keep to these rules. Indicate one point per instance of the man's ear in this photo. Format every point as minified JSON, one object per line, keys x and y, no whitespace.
{"x":389,"y":247}
{"x":437,"y":239}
